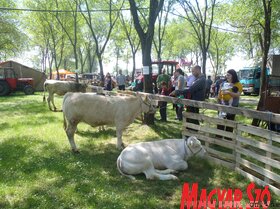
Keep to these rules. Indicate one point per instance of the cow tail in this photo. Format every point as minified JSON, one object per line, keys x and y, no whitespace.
{"x":122,"y":173}
{"x":64,"y":121}
{"x":63,"y":111}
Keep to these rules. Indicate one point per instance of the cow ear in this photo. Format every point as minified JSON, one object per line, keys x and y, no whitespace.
{"x":191,"y":142}
{"x":146,"y":98}
{"x":198,"y":143}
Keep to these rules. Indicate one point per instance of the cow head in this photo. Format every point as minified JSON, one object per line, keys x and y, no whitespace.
{"x":194,"y":146}
{"x":83,"y":87}
{"x":80,"y":87}
{"x":148,"y":105}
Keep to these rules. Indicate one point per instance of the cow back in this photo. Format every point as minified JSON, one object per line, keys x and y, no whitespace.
{"x":97,"y":110}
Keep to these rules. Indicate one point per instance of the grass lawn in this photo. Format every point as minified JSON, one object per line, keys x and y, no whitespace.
{"x":38,"y":170}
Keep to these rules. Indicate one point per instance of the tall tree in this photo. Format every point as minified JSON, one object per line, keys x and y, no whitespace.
{"x":146,"y":39}
{"x":12,"y":40}
{"x":101,"y":24}
{"x":162,"y":19}
{"x":57,"y":42}
{"x":180,"y":41}
{"x":69,"y":24}
{"x":201,"y":18}
{"x":265,"y":45}
{"x":132,"y":38}
{"x":243,"y":17}
{"x":220,"y":50}
{"x":46,"y":33}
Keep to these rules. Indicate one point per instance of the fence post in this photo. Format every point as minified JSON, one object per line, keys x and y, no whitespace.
{"x":268,"y":167}
{"x":237,"y":145}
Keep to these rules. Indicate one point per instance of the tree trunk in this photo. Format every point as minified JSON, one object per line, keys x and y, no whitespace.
{"x":204,"y":59}
{"x":148,"y":85}
{"x":133,"y":65}
{"x":265,"y":47}
{"x":101,"y":68}
{"x":146,"y":39}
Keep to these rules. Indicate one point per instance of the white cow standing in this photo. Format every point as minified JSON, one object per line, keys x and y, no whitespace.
{"x":61,"y":88}
{"x":98,"y":110}
{"x":158,"y":159}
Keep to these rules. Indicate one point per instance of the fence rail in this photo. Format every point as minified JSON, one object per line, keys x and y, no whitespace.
{"x":254,"y":152}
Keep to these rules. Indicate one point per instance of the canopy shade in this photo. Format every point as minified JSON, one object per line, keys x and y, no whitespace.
{"x":62,"y":74}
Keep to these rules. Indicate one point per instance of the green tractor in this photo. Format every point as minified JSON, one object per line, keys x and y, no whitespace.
{"x":9,"y":82}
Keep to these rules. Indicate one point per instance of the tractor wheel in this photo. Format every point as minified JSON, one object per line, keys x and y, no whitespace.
{"x":28,"y":90}
{"x":4,"y":88}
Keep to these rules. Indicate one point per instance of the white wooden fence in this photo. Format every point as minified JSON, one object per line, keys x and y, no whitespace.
{"x":252,"y":151}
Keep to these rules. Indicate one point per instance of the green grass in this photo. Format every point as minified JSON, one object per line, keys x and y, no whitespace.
{"x":38,"y":170}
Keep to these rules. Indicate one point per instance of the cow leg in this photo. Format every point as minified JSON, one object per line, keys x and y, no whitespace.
{"x":166,"y":171}
{"x":120,"y":144}
{"x":178,"y":165}
{"x":52,"y":100}
{"x":49,"y":102}
{"x":152,"y":174}
{"x":70,"y":131}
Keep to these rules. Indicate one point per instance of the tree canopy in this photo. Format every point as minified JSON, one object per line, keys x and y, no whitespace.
{"x":75,"y":34}
{"x":12,"y":39}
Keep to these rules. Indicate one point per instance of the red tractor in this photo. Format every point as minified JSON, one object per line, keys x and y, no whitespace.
{"x":9,"y":83}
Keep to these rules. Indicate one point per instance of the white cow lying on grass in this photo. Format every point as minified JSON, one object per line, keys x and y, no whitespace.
{"x":60,"y":88}
{"x":158,"y":159}
{"x":98,"y":110}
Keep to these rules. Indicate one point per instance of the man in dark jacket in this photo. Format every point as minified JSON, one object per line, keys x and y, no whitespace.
{"x":197,"y":91}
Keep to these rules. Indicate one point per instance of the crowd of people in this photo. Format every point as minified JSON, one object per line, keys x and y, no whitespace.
{"x":196,"y":87}
{"x":226,"y":89}
{"x":120,"y":80}
{"x":182,"y":86}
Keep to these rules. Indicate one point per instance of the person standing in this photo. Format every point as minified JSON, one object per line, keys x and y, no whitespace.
{"x":209,"y":83}
{"x":190,"y":80}
{"x":108,"y":82}
{"x":163,"y":77}
{"x":163,"y":105}
{"x":121,"y":79}
{"x":230,"y":96}
{"x":172,"y":88}
{"x":179,"y":92}
{"x":197,"y":91}
{"x":163,"y":83}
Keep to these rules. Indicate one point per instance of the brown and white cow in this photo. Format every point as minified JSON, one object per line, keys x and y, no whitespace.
{"x":98,"y":110}
{"x":61,"y":88}
{"x":158,"y":159}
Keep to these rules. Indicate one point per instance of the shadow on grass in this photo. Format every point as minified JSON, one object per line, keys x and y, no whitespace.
{"x":36,"y":173}
{"x":96,"y":134}
{"x":23,"y":106}
{"x":92,"y":179}
{"x":31,"y":121}
{"x":168,"y":130}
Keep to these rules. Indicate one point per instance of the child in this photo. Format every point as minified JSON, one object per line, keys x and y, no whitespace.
{"x":228,"y":101}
